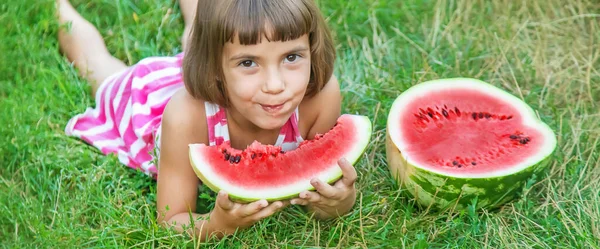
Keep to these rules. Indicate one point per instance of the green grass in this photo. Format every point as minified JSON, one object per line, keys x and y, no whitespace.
{"x":58,"y":192}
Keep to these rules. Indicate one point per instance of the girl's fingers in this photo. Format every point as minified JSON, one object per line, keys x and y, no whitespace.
{"x":310,"y":196}
{"x":223,"y":201}
{"x":325,"y":189}
{"x":348,"y":172}
{"x":298,"y":201}
{"x":252,"y":208}
{"x":268,"y":211}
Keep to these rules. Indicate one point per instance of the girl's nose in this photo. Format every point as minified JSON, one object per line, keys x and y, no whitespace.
{"x":274,"y":83}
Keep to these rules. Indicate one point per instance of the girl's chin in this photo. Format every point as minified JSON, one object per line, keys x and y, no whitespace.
{"x":270,"y":123}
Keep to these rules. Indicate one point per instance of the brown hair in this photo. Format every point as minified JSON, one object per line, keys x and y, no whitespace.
{"x":219,"y":21}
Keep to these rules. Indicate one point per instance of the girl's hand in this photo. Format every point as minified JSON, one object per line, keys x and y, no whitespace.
{"x":227,"y":216}
{"x":331,"y":201}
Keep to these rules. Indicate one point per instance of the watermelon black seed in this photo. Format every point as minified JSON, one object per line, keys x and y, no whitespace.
{"x":527,"y":139}
{"x":457,"y":111}
{"x":474,"y":115}
{"x":460,"y":165}
{"x":282,"y":152}
{"x":481,"y":115}
{"x":231,"y":159}
{"x":455,"y":163}
{"x":513,"y":136}
{"x":473,"y":163}
{"x":253,"y":156}
{"x":509,"y":117}
{"x":226,"y":156}
{"x":430,"y":114}
{"x":523,"y":141}
{"x":488,"y":116}
{"x":445,"y":113}
{"x":237,"y":159}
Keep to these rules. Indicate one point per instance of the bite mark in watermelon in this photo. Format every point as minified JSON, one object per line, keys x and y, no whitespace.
{"x":266,"y":172}
{"x":452,"y":140}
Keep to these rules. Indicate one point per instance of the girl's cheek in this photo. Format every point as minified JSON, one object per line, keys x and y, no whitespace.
{"x":298,"y":77}
{"x":244,"y":87}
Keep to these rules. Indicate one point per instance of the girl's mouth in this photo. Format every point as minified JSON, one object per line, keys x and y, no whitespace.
{"x":272,"y":108}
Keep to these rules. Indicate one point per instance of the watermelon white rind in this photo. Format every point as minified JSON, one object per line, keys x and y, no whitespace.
{"x":436,"y":188}
{"x":353,"y":151}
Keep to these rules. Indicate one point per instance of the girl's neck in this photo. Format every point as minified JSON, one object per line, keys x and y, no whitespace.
{"x":246,"y":131}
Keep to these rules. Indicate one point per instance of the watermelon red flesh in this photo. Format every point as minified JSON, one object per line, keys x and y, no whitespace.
{"x":467,"y":131}
{"x":264,"y":172}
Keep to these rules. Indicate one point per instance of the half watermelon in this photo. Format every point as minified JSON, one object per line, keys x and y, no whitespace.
{"x":266,"y":172}
{"x":451,"y":141}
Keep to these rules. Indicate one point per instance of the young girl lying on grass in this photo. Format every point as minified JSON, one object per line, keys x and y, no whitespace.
{"x":252,"y":70}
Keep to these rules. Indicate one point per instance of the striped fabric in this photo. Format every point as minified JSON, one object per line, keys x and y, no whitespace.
{"x":218,"y":132}
{"x":128,"y":113}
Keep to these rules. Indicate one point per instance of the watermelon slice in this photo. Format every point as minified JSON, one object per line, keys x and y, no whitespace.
{"x":266,"y":172}
{"x":450,"y":141}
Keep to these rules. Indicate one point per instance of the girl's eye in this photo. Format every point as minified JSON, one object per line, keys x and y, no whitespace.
{"x":291,"y":57}
{"x":247,"y":63}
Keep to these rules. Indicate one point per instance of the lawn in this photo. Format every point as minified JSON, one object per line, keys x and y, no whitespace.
{"x":58,"y":192}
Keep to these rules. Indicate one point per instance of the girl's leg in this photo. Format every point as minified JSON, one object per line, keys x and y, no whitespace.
{"x":188,"y":10}
{"x":83,"y":46}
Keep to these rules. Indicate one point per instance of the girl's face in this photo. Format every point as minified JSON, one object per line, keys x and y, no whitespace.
{"x":266,"y":81}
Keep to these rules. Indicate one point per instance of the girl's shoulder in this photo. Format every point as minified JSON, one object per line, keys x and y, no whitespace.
{"x":319,"y":113}
{"x":185,"y":117}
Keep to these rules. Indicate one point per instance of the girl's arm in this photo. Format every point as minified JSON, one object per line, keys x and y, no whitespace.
{"x":184,"y":122}
{"x":177,"y":183}
{"x":328,"y":104}
{"x":337,"y":199}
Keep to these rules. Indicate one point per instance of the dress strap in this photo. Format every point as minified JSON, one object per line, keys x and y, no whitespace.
{"x":289,"y":136}
{"x":216,"y":122}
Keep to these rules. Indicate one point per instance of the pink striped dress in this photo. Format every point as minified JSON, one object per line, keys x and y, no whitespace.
{"x":129,"y":106}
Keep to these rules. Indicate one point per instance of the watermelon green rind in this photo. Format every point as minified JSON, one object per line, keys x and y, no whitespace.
{"x":363,"y":125}
{"x":437,"y":189}
{"x":431,"y":189}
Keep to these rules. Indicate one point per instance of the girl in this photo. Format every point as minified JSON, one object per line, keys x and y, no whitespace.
{"x":253,"y":70}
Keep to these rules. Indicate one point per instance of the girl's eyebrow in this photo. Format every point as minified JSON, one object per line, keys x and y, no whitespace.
{"x":243,"y":56}
{"x":300,"y":48}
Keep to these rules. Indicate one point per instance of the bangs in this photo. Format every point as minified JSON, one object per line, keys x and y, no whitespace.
{"x":280,"y":20}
